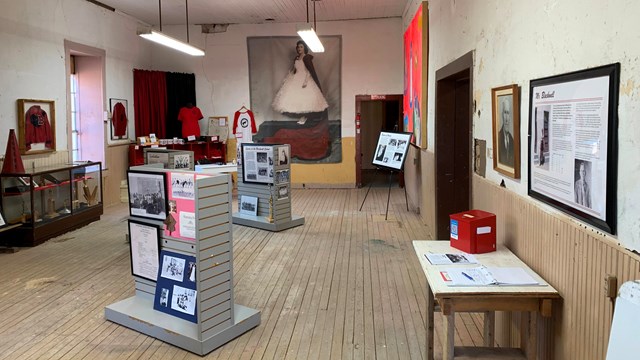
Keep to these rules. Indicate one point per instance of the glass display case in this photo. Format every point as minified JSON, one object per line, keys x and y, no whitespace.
{"x":50,"y":201}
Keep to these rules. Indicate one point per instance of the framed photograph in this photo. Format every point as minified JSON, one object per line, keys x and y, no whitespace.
{"x":282,"y":176}
{"x":36,"y":126}
{"x":257,"y":163}
{"x":144,"y":242}
{"x":147,"y":194}
{"x":219,"y":126}
{"x":283,"y":155}
{"x":573,"y":143}
{"x":176,"y":292}
{"x":249,"y":205}
{"x":391,"y":150}
{"x":119,"y":110}
{"x":282,"y":192}
{"x":505,"y":106}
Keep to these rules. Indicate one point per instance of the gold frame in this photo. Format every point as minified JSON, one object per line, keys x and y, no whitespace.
{"x":25,"y":105}
{"x":503,"y":161}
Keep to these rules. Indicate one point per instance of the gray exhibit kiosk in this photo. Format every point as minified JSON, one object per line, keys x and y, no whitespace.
{"x":264,"y":188}
{"x":216,"y":319}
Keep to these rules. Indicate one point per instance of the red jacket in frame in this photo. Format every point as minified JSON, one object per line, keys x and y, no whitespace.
{"x":37,"y":127}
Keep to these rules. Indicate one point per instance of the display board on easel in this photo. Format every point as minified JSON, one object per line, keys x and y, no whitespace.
{"x":391,"y":150}
{"x":390,"y":154}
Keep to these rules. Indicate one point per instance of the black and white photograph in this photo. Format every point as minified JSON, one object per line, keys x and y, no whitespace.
{"x":182,"y":161}
{"x":191,"y":274}
{"x":183,"y":300}
{"x":582,"y":184}
{"x":283,"y":192}
{"x":283,"y":155}
{"x":173,"y":268}
{"x":282,"y":176}
{"x":261,"y":157}
{"x":183,"y":186}
{"x":164,"y":297}
{"x":248,"y":205}
{"x":573,"y":128}
{"x":147,"y":194}
{"x":144,"y":241}
{"x":391,"y":150}
{"x":505,"y":106}
{"x":262,"y":171}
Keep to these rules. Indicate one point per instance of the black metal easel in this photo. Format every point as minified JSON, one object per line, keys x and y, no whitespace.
{"x":388,"y":194}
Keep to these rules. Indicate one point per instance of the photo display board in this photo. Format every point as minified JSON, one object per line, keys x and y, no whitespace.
{"x":257,"y":163}
{"x":391,"y":150}
{"x":176,"y":292}
{"x":573,"y":142}
{"x":181,"y":217}
{"x":147,"y":194}
{"x":144,"y":240}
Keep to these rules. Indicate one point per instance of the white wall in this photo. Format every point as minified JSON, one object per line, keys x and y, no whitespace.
{"x":32,"y":60}
{"x":516,"y":41}
{"x":371,"y":62}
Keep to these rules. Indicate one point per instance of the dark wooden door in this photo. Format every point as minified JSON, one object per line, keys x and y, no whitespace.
{"x":453,"y":149}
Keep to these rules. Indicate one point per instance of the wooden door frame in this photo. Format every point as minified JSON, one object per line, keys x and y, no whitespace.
{"x":452,"y":71}
{"x":359,"y":100}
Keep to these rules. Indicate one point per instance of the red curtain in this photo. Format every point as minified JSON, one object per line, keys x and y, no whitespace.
{"x":150,"y":102}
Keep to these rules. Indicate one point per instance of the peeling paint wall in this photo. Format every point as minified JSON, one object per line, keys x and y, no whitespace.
{"x":517,"y":41}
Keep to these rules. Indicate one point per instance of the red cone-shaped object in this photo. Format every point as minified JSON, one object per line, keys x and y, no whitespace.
{"x":12,"y":160}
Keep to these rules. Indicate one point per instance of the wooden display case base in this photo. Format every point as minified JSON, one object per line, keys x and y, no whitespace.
{"x":261,"y":222}
{"x":31,"y":236}
{"x":137,"y":313}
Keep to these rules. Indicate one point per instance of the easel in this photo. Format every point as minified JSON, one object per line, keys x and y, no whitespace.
{"x":388,"y":194}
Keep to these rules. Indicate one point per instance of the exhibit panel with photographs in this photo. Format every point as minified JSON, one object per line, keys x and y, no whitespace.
{"x":144,"y":240}
{"x":257,"y":163}
{"x":176,"y":286}
{"x":147,"y":194}
{"x":573,"y":143}
{"x":181,"y":217}
{"x":391,"y":150}
{"x":172,"y":309}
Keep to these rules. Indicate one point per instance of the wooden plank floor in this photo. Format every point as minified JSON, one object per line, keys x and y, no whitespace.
{"x":346,"y":285}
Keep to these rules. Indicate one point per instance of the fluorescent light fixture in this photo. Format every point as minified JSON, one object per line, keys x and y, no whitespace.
{"x":310,"y":37}
{"x":176,"y":44}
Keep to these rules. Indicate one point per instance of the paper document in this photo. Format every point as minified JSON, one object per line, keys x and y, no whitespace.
{"x":482,"y":276}
{"x":448,"y":259}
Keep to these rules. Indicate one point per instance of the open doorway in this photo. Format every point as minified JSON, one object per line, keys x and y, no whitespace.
{"x":453,"y":139}
{"x":374,"y":113}
{"x":86,"y":99}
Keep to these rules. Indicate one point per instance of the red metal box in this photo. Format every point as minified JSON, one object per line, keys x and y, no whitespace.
{"x":473,"y":231}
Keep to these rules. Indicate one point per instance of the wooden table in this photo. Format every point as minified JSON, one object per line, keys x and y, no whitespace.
{"x":533,"y":301}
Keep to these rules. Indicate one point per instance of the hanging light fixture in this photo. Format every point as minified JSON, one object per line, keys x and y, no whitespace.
{"x":160,"y":38}
{"x":307,"y":32}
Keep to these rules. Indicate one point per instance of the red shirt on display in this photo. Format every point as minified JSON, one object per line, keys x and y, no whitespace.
{"x":37,"y":127}
{"x":189,"y":118}
{"x":119,"y":120}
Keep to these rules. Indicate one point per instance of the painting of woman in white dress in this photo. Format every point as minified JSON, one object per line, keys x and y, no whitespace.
{"x":300,"y":92}
{"x":297,"y":94}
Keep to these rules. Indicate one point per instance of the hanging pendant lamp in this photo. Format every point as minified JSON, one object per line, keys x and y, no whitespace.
{"x":160,"y":38}
{"x":308,"y":33}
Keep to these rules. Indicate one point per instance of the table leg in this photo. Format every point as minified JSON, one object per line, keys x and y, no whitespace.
{"x":430,"y":316}
{"x":530,"y":334}
{"x":489,"y":328}
{"x":448,"y":317}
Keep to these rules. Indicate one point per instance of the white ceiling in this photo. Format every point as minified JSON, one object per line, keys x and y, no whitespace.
{"x":254,"y":11}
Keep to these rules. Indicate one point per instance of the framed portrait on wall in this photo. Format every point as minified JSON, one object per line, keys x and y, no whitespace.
{"x":36,"y":126}
{"x":505,"y":106}
{"x":118,"y":125}
{"x":573,"y":143}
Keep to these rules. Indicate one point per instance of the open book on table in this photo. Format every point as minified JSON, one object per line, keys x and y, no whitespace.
{"x":483,"y":276}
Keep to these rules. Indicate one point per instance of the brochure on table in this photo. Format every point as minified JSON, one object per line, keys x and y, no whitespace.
{"x":176,"y":292}
{"x":448,"y":259}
